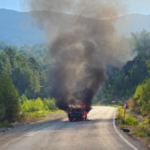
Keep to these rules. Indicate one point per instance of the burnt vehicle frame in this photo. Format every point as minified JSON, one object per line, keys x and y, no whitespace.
{"x":77,"y":114}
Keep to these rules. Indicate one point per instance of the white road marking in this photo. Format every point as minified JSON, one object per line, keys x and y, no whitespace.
{"x":121,"y":135}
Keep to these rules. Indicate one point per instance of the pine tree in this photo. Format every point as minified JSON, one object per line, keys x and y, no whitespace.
{"x":9,"y":97}
{"x":2,"y":112}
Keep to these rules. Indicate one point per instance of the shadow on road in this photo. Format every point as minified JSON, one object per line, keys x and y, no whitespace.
{"x":66,"y":125}
{"x":60,"y":124}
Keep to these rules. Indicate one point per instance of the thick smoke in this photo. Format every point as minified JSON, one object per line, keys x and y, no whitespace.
{"x":82,"y":46}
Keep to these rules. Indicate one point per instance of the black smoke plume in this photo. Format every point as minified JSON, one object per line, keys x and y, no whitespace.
{"x":82,"y":43}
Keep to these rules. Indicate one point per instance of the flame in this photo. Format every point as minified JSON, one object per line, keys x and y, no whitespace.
{"x":85,"y":113}
{"x":83,"y":105}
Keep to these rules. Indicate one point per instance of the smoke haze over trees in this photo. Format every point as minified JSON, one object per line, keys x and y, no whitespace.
{"x":83,"y":50}
{"x":121,"y":82}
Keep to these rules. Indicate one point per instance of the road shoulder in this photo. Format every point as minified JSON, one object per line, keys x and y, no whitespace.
{"x":8,"y":135}
{"x":128,"y":138}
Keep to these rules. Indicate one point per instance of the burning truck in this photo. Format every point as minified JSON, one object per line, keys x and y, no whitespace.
{"x":81,"y":49}
{"x":77,"y":113}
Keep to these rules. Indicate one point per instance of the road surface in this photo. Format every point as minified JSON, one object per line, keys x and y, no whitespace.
{"x":98,"y":133}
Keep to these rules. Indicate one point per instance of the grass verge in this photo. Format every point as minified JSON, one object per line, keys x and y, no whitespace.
{"x":139,"y":131}
{"x":5,"y":124}
{"x":129,"y":120}
{"x":30,"y":115}
{"x":131,"y":123}
{"x":38,"y":114}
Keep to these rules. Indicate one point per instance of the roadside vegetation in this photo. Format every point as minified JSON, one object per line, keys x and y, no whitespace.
{"x":22,"y":74}
{"x":23,"y":71}
{"x":140,"y":133}
{"x":122,"y":83}
{"x":16,"y":108}
{"x":128,"y":120}
{"x":132,"y":83}
{"x":139,"y":125}
{"x":37,"y":108}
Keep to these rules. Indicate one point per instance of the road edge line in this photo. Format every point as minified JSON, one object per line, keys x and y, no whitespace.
{"x":126,"y":141}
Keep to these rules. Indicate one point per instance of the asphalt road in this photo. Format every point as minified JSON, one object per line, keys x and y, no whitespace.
{"x":98,"y":133}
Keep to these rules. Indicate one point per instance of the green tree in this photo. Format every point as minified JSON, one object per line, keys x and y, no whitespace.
{"x":9,"y":97}
{"x":5,"y":63}
{"x":120,"y":103}
{"x":142,"y":97}
{"x":2,"y":111}
{"x":23,"y":99}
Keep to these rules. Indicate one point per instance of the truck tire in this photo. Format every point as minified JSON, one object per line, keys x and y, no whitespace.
{"x":83,"y":119}
{"x":86,"y":117}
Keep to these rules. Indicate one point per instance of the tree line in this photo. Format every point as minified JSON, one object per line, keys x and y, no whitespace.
{"x":15,"y":107}
{"x":133,"y":80}
{"x":25,"y":69}
{"x":22,"y":75}
{"x":123,"y":82}
{"x":27,"y":75}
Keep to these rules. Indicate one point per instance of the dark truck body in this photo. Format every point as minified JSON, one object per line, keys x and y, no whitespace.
{"x":77,"y":114}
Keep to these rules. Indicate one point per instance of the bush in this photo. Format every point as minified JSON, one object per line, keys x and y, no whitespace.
{"x":148,"y":130}
{"x":5,"y":124}
{"x":123,"y":127}
{"x":129,"y":121}
{"x":50,"y":103}
{"x":23,"y":99}
{"x":38,"y":104}
{"x":36,"y":108}
{"x":140,"y":133}
{"x":32,"y":105}
{"x":142,"y":95}
{"x":120,"y":103}
{"x":132,"y":121}
{"x":131,"y":102}
{"x":143,"y":127}
{"x":1,"y":124}
{"x":120,"y":116}
{"x":46,"y":107}
{"x":123,"y":121}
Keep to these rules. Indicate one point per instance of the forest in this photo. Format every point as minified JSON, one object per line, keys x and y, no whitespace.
{"x":123,"y":82}
{"x":25,"y":87}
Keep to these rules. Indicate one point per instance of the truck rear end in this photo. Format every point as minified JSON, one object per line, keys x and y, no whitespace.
{"x":77,"y":114}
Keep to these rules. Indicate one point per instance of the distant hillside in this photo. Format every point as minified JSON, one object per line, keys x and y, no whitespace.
{"x":17,"y":27}
{"x":132,"y":23}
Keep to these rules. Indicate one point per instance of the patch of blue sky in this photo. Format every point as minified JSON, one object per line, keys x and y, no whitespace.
{"x":133,"y":6}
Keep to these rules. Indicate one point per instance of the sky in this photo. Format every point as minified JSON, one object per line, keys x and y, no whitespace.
{"x":134,"y":6}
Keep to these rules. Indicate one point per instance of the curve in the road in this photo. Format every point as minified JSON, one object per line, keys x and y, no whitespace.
{"x":132,"y":146}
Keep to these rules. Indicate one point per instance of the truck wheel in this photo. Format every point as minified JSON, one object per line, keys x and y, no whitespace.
{"x":86,"y":118}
